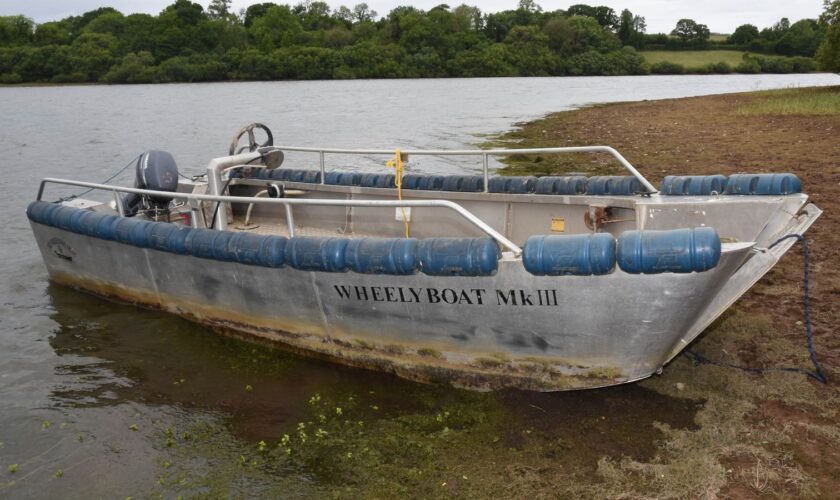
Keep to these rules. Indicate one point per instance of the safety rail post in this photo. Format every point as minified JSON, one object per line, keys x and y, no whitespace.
{"x":118,"y":203}
{"x":290,"y":220}
{"x":196,"y":209}
{"x":323,"y":167}
{"x":486,"y":160}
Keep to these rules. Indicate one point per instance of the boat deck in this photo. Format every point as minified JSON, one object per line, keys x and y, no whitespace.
{"x":264,"y":225}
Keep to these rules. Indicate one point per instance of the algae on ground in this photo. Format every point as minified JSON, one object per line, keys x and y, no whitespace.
{"x":432,"y":441}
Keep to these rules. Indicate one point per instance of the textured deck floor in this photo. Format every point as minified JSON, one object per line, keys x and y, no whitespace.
{"x":282,"y":229}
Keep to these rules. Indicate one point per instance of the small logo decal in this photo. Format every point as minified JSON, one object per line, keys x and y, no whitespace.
{"x":61,"y":249}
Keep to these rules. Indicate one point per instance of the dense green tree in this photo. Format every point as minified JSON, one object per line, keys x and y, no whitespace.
{"x":362,"y":13}
{"x":309,"y":40}
{"x":184,"y":12}
{"x":338,"y":37}
{"x":528,"y":52}
{"x":136,"y":67}
{"x":828,"y":54}
{"x":468,"y":17}
{"x":776,"y":31}
{"x":631,"y":29}
{"x":588,"y":34}
{"x":743,"y":34}
{"x":138,"y":34}
{"x":802,"y":38}
{"x":276,"y":28}
{"x":691,"y":33}
{"x":529,"y":6}
{"x":250,"y":64}
{"x":604,"y":15}
{"x":255,"y":11}
{"x":315,"y":15}
{"x":559,"y":32}
{"x":305,"y":63}
{"x":489,"y":61}
{"x":52,"y":33}
{"x":219,"y":9}
{"x":16,"y":30}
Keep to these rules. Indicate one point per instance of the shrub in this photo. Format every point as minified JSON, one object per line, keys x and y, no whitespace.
{"x":748,"y":66}
{"x":722,"y":67}
{"x":10,"y":78}
{"x":667,"y":68}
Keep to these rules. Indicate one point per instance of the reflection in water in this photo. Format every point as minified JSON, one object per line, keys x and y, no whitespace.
{"x":176,"y":374}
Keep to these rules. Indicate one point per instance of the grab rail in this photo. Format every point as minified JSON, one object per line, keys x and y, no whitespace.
{"x":484,"y":153}
{"x":289,"y":202}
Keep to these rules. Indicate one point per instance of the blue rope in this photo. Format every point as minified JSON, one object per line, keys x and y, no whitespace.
{"x":818,"y":373}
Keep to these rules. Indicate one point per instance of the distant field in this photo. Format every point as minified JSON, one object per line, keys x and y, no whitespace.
{"x":694,"y":58}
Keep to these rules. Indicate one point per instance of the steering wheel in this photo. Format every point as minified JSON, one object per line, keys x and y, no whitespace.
{"x":252,"y":141}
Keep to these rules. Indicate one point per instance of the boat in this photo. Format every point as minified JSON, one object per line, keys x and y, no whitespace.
{"x":480,"y":281}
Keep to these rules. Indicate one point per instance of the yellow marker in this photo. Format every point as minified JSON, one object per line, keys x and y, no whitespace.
{"x":558,"y":225}
{"x":397,"y":164}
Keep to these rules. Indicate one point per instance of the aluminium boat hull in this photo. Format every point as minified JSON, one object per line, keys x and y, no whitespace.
{"x":512,"y":329}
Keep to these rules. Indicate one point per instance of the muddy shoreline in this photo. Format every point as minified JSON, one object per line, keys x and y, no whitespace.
{"x":727,"y":134}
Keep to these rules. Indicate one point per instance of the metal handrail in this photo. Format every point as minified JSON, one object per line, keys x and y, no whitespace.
{"x":484,"y":153}
{"x":289,"y":202}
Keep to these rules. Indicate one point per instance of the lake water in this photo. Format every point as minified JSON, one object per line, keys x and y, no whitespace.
{"x":88,"y":388}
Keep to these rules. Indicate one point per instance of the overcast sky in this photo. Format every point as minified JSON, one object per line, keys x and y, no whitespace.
{"x":722,"y":16}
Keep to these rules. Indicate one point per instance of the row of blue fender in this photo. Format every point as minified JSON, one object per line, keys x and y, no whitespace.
{"x":743,"y":184}
{"x":635,"y":252}
{"x":399,"y":256}
{"x":605,"y":185}
{"x":560,"y":185}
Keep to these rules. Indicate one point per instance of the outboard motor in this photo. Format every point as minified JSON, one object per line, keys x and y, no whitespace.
{"x":156,"y":170}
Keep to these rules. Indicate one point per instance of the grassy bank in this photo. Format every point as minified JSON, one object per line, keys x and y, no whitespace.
{"x":793,"y":102}
{"x":694,"y":58}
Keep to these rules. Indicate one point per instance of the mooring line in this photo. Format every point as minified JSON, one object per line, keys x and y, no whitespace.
{"x":818,"y":373}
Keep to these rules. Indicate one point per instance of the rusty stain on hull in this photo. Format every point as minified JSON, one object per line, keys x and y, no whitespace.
{"x":412,"y":362}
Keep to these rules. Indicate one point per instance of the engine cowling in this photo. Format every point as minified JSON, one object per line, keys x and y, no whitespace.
{"x":155,"y":170}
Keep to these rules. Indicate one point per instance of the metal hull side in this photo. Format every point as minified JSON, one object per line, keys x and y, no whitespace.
{"x":759,"y":264}
{"x":509,"y":330}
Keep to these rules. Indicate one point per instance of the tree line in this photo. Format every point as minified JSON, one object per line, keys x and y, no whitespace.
{"x":268,"y":41}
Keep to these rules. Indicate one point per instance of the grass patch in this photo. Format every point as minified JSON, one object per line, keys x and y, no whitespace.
{"x":537,"y":134}
{"x":694,"y":58}
{"x":810,"y":101}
